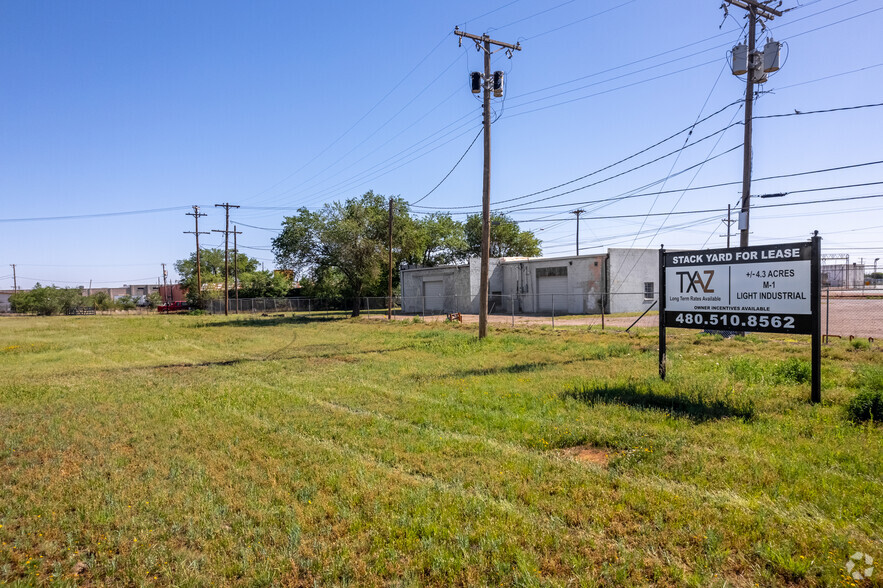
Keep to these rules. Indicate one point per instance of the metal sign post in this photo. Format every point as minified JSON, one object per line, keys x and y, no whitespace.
{"x":766,"y":288}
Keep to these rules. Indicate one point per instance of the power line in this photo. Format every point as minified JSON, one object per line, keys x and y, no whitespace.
{"x":92,"y":215}
{"x":732,"y":124}
{"x":585,"y":18}
{"x":716,"y":210}
{"x":688,"y":129}
{"x":452,"y":169}
{"x":351,"y":127}
{"x":805,"y":112}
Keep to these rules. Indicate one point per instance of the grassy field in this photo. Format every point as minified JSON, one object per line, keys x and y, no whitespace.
{"x":190,"y":450}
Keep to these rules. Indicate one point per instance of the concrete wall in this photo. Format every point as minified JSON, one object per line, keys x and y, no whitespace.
{"x":585,"y":283}
{"x":515,"y":280}
{"x":627,"y":271}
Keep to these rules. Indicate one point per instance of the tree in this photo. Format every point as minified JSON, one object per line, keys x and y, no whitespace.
{"x":439,"y":240}
{"x":212,"y":274}
{"x":47,"y":300}
{"x":507,"y":239}
{"x":263,"y":284}
{"x":348,"y":241}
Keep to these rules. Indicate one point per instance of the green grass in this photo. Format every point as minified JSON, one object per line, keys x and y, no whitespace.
{"x":196,"y":450}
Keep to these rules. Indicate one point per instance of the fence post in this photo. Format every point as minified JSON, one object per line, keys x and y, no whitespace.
{"x":512,"y":300}
{"x":827,"y":313}
{"x":553,"y":311}
{"x":603,"y":294}
{"x":424,"y":306}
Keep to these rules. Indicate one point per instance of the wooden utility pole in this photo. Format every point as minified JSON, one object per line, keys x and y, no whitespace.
{"x":226,"y":206}
{"x":196,"y":214}
{"x":389,"y":306}
{"x":729,"y":222}
{"x":577,"y":213}
{"x":236,"y":267}
{"x":755,"y":10}
{"x":484,"y":42}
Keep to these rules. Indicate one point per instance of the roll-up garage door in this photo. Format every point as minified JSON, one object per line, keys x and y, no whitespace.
{"x":552,"y":289}
{"x":434,"y":295}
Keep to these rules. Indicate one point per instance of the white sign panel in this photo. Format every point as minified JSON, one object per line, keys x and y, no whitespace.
{"x":761,"y":288}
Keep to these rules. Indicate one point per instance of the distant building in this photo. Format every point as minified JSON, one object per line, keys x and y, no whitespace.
{"x":843,"y":275}
{"x":623,"y":280}
{"x":4,"y":300}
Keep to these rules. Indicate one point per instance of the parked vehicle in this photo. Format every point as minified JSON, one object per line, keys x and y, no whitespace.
{"x":177,"y":306}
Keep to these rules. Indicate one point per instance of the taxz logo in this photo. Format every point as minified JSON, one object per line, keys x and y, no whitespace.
{"x":694,"y":281}
{"x":860,"y":566}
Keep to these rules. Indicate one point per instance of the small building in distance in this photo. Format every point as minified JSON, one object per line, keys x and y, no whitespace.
{"x":4,"y":300}
{"x":843,"y":275}
{"x":622,"y":280}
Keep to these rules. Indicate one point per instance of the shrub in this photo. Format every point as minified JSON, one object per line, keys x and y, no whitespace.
{"x":792,"y":371}
{"x":860,"y":344}
{"x":867,"y":405}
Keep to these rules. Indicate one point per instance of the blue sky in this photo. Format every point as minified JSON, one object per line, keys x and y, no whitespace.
{"x":112,"y":107}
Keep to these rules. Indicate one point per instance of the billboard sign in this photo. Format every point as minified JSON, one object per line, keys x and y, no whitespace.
{"x":765,"y":288}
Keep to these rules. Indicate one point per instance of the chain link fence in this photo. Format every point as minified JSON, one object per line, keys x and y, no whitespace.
{"x":844,"y":313}
{"x":618,"y":311}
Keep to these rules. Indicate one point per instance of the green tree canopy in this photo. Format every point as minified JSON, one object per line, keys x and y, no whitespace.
{"x":348,"y":241}
{"x":212,"y":274}
{"x":507,"y":238}
{"x":47,"y":300}
{"x":439,"y":240}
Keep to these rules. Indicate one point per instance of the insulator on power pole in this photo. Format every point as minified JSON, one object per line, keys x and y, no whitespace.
{"x":498,"y":84}
{"x":740,"y":59}
{"x":771,"y":56}
{"x":475,"y":79}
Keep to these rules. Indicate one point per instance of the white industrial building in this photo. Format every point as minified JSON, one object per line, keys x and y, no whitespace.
{"x":623,"y":280}
{"x":843,"y":275}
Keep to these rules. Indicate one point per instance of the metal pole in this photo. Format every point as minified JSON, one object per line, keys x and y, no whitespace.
{"x":512,"y":300}
{"x":749,"y":103}
{"x":827,"y":313}
{"x":662,"y":311}
{"x":815,"y":310}
{"x":389,"y":307}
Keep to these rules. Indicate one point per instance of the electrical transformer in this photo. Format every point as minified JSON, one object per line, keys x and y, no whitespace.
{"x":771,"y":56}
{"x":498,"y":84}
{"x":740,"y":59}
{"x":475,"y":80}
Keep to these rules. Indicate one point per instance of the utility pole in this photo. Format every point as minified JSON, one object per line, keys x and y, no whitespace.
{"x":577,"y":213}
{"x":196,"y":214}
{"x":165,"y":290}
{"x":484,"y":42}
{"x":14,"y":279}
{"x":236,"y":267}
{"x":729,"y":222}
{"x":754,"y":74}
{"x":226,"y":230}
{"x":389,"y":306}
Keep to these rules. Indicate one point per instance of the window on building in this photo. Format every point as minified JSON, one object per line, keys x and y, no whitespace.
{"x":649,"y":290}
{"x":547,"y":272}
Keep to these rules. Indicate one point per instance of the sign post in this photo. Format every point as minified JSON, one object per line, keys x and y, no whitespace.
{"x":765,"y":288}
{"x":661,"y":312}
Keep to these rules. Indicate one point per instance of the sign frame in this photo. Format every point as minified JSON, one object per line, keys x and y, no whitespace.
{"x":794,"y":261}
